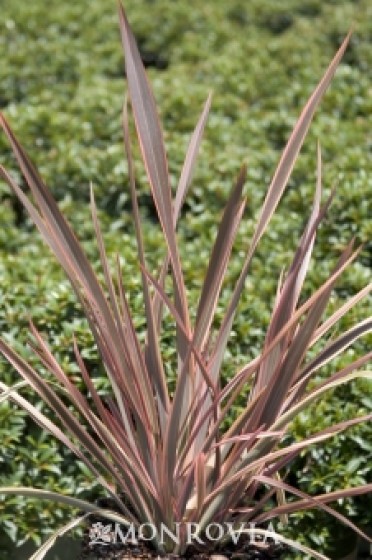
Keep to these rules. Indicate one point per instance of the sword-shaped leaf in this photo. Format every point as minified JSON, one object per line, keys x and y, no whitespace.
{"x":274,"y":194}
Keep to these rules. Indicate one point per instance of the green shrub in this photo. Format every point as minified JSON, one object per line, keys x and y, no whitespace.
{"x":74,"y":69}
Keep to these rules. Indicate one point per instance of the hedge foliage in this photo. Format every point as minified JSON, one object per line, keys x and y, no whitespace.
{"x":62,"y":88}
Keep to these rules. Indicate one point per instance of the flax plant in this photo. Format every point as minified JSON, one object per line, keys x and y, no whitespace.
{"x":164,"y":458}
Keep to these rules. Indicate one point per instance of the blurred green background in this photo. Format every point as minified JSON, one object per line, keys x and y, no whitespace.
{"x":62,"y":87}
